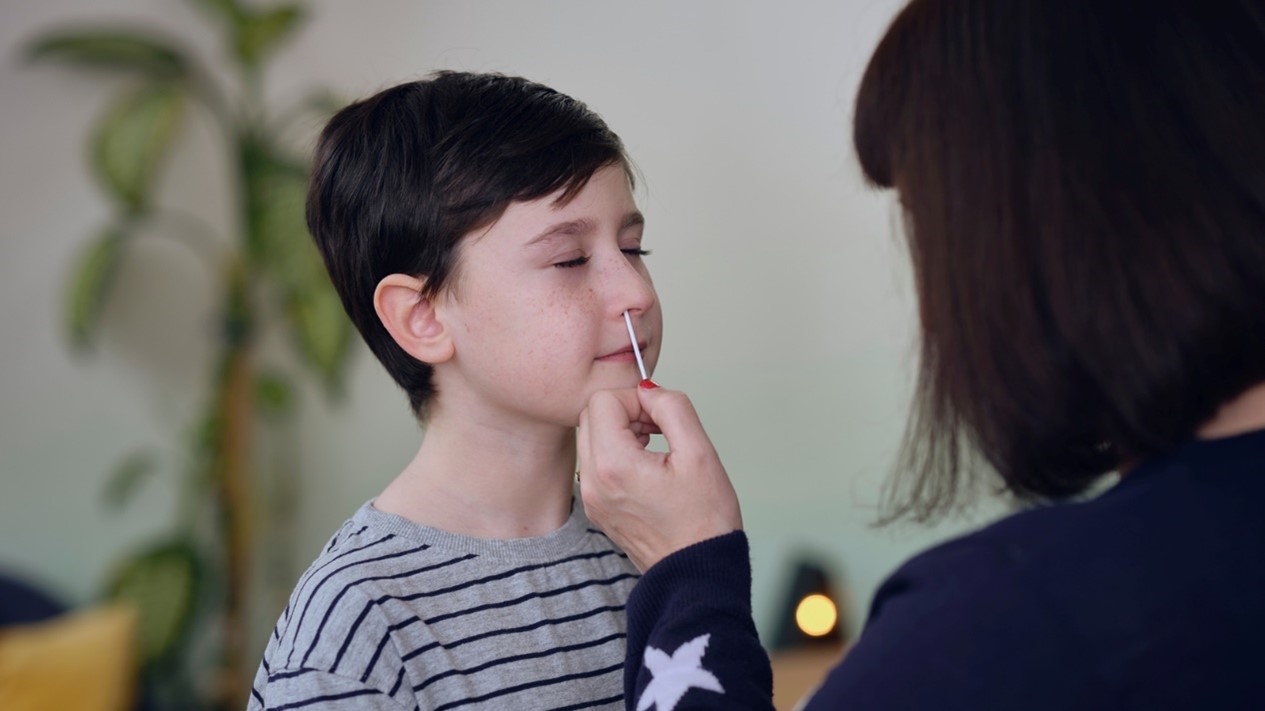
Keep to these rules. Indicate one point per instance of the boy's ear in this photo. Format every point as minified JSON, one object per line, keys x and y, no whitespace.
{"x":411,"y":319}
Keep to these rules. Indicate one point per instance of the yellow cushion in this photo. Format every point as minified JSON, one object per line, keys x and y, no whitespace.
{"x":80,"y":661}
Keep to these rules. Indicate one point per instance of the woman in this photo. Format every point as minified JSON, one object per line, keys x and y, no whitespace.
{"x":1084,"y":189}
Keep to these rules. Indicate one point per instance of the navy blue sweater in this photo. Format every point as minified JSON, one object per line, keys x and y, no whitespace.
{"x":1151,"y":596}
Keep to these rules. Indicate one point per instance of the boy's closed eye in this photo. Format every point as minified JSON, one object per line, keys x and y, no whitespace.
{"x":637,"y":252}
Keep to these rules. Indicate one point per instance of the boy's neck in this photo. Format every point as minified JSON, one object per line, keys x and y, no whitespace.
{"x":486,"y":480}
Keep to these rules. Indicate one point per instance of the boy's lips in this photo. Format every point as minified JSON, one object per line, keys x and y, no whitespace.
{"x":625,"y":352}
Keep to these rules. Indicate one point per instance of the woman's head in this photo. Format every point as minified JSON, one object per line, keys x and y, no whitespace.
{"x":1084,"y":190}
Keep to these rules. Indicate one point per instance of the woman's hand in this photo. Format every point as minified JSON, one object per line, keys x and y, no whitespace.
{"x":652,"y":504}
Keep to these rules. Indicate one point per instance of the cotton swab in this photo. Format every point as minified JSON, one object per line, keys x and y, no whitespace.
{"x":632,"y":336}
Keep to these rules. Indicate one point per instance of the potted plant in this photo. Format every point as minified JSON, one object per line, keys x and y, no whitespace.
{"x":192,"y":585}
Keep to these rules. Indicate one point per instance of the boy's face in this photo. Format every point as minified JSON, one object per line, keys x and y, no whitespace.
{"x":537,"y":320}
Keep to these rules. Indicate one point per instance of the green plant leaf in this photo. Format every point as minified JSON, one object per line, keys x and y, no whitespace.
{"x":273,"y":394}
{"x":324,"y":102}
{"x":162,"y":581}
{"x":280,"y":244}
{"x":318,"y":104}
{"x":323,"y":331}
{"x":127,"y":478}
{"x":133,"y":138}
{"x":116,"y":49}
{"x":276,"y":191}
{"x":258,"y":33}
{"x":90,"y":283}
{"x":226,"y":9}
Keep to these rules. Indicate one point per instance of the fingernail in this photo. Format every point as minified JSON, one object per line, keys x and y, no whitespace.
{"x":648,"y":384}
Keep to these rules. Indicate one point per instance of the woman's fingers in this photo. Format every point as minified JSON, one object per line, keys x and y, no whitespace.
{"x":582,"y":449}
{"x":673,"y":413}
{"x":651,"y":503}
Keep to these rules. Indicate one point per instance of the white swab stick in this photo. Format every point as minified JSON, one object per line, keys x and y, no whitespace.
{"x":632,"y":336}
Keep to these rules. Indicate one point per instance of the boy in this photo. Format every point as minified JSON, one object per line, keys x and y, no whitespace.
{"x":482,"y":234}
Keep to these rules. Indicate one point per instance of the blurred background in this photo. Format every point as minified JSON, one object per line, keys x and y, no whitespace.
{"x":182,"y":413}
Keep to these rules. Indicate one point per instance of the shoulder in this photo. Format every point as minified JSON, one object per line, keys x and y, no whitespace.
{"x":1086,"y":561}
{"x":1166,"y":526}
{"x":335,"y":642}
{"x":965,"y":625}
{"x":331,"y":647}
{"x":351,"y":570}
{"x":1128,"y":598}
{"x":345,"y":606}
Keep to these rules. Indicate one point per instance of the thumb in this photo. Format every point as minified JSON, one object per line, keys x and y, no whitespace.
{"x":674,"y":414}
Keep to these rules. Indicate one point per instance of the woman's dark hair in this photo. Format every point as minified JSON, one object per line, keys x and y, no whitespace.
{"x":1083,"y":185}
{"x":399,"y":178}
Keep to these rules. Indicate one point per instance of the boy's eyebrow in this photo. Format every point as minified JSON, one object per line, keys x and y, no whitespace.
{"x":572,"y":227}
{"x":632,"y":219}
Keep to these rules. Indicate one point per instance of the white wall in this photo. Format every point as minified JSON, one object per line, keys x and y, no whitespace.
{"x":787,"y":300}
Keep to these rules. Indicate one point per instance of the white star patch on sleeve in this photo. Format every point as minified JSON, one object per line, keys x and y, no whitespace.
{"x":677,"y":674}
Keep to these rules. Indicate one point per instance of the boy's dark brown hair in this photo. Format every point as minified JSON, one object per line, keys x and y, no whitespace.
{"x":1083,"y":184}
{"x":399,"y":178}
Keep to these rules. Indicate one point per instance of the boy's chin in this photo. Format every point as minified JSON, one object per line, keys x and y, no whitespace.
{"x":620,"y":383}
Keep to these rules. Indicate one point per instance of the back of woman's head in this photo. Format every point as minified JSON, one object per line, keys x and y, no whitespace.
{"x":1083,"y":183}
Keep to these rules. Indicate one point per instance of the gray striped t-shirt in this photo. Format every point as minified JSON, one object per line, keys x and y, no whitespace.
{"x":393,"y":615}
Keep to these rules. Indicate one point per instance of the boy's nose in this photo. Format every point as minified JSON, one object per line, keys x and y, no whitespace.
{"x":630,"y":289}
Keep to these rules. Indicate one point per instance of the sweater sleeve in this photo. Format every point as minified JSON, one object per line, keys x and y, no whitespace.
{"x":691,"y":641}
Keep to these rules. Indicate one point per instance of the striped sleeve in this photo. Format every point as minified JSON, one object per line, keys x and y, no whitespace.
{"x":315,"y":689}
